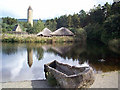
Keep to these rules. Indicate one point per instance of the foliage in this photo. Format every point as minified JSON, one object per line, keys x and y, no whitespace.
{"x":30,"y":29}
{"x":76,"y":21}
{"x":51,"y":24}
{"x":94,"y":31}
{"x":112,"y":28}
{"x":8,"y":24}
{"x":81,"y":33}
{"x":39,"y":26}
{"x":9,"y":21}
{"x":62,"y":21}
{"x":83,"y":17}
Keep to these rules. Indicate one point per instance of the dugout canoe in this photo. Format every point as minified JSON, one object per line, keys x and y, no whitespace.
{"x":70,"y":76}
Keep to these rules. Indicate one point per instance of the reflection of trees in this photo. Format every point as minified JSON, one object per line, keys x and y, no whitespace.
{"x":40,"y":52}
{"x":95,"y":52}
{"x":69,"y":51}
{"x":60,"y":49}
{"x":91,"y":52}
{"x":37,"y":48}
{"x":9,"y":48}
{"x":30,"y":56}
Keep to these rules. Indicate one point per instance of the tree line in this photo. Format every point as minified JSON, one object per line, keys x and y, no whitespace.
{"x":100,"y":23}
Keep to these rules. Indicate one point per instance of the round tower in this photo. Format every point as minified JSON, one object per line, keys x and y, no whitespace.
{"x":30,"y":15}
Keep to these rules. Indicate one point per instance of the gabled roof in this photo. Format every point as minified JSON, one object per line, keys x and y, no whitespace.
{"x":62,"y":32}
{"x":45,"y":32}
{"x":17,"y":28}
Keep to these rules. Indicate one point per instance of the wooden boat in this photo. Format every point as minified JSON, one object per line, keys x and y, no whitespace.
{"x":70,"y":76}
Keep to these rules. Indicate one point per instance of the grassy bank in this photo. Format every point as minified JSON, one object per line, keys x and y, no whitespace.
{"x":35,"y":39}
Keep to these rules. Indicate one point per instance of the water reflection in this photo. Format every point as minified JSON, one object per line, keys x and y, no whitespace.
{"x":30,"y":56}
{"x":9,"y":49}
{"x":17,"y":57}
{"x":40,"y":53}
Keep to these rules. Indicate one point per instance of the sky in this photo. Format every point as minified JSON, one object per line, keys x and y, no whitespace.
{"x":46,"y":9}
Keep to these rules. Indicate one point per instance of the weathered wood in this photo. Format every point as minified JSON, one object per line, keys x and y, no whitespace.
{"x":70,"y":76}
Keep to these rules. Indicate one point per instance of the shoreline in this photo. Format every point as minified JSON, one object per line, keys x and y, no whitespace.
{"x":104,"y":80}
{"x":38,"y":39}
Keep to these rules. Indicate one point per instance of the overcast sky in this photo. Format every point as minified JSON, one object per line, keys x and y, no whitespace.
{"x":45,"y":9}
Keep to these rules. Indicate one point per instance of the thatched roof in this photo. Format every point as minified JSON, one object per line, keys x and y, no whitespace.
{"x":17,"y":28}
{"x":62,"y":32}
{"x":45,"y":32}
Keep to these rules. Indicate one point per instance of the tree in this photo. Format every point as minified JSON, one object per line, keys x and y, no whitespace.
{"x":8,"y":24}
{"x":51,"y":24}
{"x":107,"y":9}
{"x":69,"y":21}
{"x":30,"y":29}
{"x":97,"y":15}
{"x":76,"y":21}
{"x":9,"y":21}
{"x":81,"y":33}
{"x":82,"y":16}
{"x":62,"y":22}
{"x":39,"y":26}
{"x":94,"y":31}
{"x":112,"y":28}
{"x":115,"y":9}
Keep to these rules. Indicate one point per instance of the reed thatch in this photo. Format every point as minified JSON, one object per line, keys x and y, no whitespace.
{"x":17,"y":28}
{"x":62,"y":32}
{"x":46,"y":32}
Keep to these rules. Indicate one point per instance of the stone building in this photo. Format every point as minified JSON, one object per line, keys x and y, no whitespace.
{"x":30,"y":15}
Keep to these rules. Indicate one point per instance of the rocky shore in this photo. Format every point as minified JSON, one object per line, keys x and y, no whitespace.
{"x":104,"y":80}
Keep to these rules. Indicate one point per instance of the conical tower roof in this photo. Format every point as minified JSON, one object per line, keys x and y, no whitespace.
{"x":30,"y":8}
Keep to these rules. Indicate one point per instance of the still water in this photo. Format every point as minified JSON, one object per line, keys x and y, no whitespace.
{"x":26,"y":61}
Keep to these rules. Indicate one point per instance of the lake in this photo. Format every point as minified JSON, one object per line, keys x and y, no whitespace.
{"x":26,"y":61}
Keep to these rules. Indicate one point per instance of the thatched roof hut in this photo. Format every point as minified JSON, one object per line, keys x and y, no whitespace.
{"x":46,"y":32}
{"x":62,"y":32}
{"x":17,"y":28}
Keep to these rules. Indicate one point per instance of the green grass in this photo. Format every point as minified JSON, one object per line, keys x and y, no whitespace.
{"x":35,"y":39}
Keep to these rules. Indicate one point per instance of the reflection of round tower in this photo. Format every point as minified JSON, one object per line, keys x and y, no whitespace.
{"x":30,"y":56}
{"x":30,"y":15}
